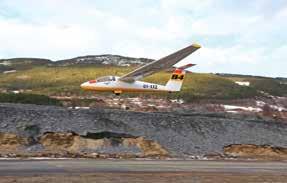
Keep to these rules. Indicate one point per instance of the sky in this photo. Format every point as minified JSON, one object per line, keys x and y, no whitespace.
{"x":240,"y":37}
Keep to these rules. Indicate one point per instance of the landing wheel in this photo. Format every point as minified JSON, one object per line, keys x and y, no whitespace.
{"x":118,"y":99}
{"x":117,"y":93}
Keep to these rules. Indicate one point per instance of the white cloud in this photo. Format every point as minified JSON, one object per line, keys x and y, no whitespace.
{"x":216,"y":57}
{"x":222,"y":25}
{"x":282,"y":13}
{"x":233,"y":38}
{"x":188,"y":5}
{"x":44,"y":40}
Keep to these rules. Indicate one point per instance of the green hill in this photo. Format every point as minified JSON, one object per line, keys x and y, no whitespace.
{"x":66,"y":80}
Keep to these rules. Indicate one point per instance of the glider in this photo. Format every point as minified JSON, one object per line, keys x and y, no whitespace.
{"x":130,"y":82}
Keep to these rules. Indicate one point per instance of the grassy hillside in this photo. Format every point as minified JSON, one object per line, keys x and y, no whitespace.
{"x":66,"y":81}
{"x":207,"y":86}
{"x":54,"y":80}
{"x":272,"y":86}
{"x":26,"y":98}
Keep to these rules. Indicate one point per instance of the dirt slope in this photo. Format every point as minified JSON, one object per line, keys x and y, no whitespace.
{"x":255,"y":151}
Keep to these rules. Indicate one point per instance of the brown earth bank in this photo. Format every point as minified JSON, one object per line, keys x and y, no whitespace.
{"x":32,"y":130}
{"x":71,"y":145}
{"x":255,"y":151}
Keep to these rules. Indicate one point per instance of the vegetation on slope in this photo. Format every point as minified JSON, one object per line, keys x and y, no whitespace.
{"x":66,"y":81}
{"x":207,"y":86}
{"x":55,"y":80}
{"x":26,"y":98}
{"x":272,"y":86}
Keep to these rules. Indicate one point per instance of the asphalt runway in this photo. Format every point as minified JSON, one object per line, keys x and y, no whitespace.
{"x":74,"y":166}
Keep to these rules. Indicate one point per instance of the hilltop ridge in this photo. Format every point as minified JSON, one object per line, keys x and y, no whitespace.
{"x":107,"y":59}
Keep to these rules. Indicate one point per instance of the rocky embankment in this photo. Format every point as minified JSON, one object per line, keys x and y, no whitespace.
{"x":45,"y":130}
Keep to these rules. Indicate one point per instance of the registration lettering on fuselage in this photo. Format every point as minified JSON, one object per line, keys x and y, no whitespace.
{"x":150,"y":86}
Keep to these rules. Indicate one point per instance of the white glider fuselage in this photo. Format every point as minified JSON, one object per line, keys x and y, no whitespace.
{"x":115,"y":85}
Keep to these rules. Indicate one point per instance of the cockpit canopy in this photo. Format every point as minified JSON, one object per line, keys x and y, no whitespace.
{"x":106,"y":78}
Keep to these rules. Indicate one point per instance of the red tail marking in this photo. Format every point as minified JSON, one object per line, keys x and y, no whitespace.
{"x":177,"y":71}
{"x":92,"y":81}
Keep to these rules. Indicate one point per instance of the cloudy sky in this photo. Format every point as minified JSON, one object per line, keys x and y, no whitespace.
{"x":246,"y":37}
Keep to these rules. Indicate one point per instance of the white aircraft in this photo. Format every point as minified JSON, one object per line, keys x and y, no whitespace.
{"x":130,"y":83}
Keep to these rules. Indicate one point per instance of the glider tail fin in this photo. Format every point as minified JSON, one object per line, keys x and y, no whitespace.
{"x":176,"y":80}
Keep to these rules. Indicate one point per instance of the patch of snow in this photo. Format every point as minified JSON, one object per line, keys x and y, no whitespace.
{"x":134,"y":99}
{"x":137,"y":103}
{"x":80,"y":59}
{"x":278,"y":108}
{"x":274,"y":107}
{"x":5,"y":63}
{"x":281,"y":97}
{"x":178,"y":101}
{"x":161,"y":106}
{"x":232,"y":108}
{"x":243,"y":83}
{"x":260,"y":103}
{"x":106,"y":62}
{"x":81,"y":107}
{"x":198,"y":157}
{"x":8,"y":72}
{"x":151,"y":105}
{"x":125,"y":65}
{"x":234,"y":112}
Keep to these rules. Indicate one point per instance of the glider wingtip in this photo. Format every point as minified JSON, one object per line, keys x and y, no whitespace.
{"x":196,"y":45}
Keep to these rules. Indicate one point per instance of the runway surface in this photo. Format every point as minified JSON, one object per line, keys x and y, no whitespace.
{"x":74,"y":166}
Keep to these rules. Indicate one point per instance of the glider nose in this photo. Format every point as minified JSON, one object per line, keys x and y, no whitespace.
{"x":84,"y":85}
{"x":88,"y":85}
